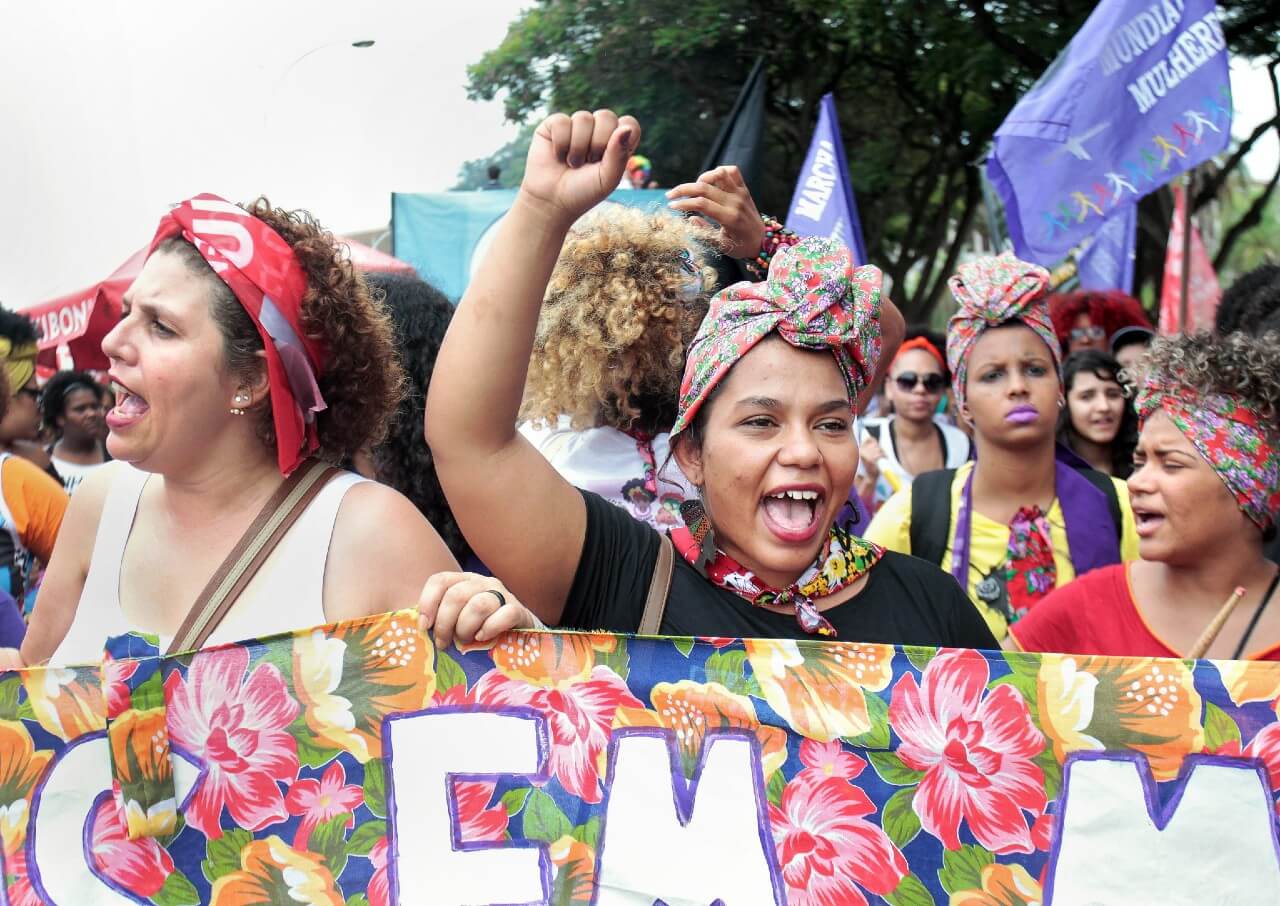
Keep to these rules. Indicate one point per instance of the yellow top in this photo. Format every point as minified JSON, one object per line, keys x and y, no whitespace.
{"x":989,"y":540}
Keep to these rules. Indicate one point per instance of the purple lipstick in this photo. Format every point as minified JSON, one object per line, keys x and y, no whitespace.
{"x":1022,"y":415}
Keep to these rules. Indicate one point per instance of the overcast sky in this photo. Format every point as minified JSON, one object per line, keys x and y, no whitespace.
{"x":112,"y":109}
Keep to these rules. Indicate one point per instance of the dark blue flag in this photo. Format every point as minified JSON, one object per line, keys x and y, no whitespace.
{"x":1140,"y":95}
{"x":823,"y":202}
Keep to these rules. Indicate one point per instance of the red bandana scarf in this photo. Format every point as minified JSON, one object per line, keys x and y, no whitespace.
{"x":260,"y":269}
{"x":843,"y":560}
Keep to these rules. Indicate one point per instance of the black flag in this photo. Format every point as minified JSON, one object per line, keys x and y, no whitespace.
{"x":739,"y":139}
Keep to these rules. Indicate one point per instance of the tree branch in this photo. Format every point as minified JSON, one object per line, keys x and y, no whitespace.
{"x":990,"y":30}
{"x":1215,"y":183}
{"x":1250,"y":219}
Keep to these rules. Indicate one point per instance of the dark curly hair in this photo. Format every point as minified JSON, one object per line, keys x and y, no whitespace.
{"x":1252,"y":303}
{"x":17,"y":327}
{"x":362,"y":380}
{"x":53,"y":399}
{"x":1109,"y":310}
{"x":420,"y":315}
{"x":1104,"y":368}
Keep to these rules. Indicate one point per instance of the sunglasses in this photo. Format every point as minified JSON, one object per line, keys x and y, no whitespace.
{"x":1094,"y":332}
{"x":933,"y":382}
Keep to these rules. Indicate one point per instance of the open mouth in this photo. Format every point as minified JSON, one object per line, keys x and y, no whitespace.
{"x":792,"y":514}
{"x":1146,"y":521}
{"x":129,"y":407}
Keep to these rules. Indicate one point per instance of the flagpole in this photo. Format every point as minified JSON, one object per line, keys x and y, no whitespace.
{"x":1184,"y":305}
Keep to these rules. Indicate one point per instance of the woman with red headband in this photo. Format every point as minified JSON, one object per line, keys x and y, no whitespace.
{"x":1021,"y":519}
{"x":911,"y":440}
{"x":763,"y":431}
{"x":249,"y":353}
{"x":1205,"y":491}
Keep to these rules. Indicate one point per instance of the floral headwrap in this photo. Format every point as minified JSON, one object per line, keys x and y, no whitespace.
{"x":814,"y":299}
{"x":1243,"y":449}
{"x":259,"y":268}
{"x":991,"y":291}
{"x":923,"y":344}
{"x":18,"y":362}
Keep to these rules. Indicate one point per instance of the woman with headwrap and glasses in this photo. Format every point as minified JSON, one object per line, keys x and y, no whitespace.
{"x":1019,"y":521}
{"x":248,"y":355}
{"x":764,"y":432}
{"x":1205,"y":487}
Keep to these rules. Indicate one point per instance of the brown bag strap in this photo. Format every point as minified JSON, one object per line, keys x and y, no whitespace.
{"x":275,"y":518}
{"x":655,"y":604}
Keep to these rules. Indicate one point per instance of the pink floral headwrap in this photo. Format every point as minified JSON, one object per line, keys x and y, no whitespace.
{"x":990,"y":292}
{"x":1243,"y":449}
{"x":814,"y":298}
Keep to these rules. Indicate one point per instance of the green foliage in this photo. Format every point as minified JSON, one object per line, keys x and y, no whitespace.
{"x":910,"y":892}
{"x":777,"y":783}
{"x":223,"y":854}
{"x":474,"y":174}
{"x":1219,"y":728}
{"x":448,"y":673}
{"x":920,"y":92}
{"x":877,"y":737}
{"x":728,"y":668}
{"x":891,"y":769}
{"x":375,"y":787}
{"x":962,"y":868}
{"x":543,"y":819}
{"x":899,"y":818}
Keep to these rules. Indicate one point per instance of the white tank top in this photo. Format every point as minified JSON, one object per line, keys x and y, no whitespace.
{"x":286,"y":594}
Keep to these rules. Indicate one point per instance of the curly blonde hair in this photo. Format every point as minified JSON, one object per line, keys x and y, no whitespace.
{"x":625,"y":299}
{"x":362,"y":380}
{"x":1237,"y":364}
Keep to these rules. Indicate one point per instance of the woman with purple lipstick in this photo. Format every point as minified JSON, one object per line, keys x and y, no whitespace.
{"x":1026,"y":517}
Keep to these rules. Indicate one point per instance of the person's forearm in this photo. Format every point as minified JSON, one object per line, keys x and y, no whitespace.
{"x":479,"y":376}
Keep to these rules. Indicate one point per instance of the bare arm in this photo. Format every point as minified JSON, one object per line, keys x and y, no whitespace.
{"x":64,"y":576}
{"x":381,"y":554}
{"x":523,"y":520}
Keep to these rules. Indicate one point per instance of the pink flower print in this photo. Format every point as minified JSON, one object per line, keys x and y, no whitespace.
{"x":140,"y":866}
{"x":830,"y":759}
{"x":318,"y":801}
{"x":579,"y":719}
{"x":379,"y":891}
{"x":976,"y":751}
{"x":826,"y":848}
{"x":237,"y":727}
{"x":115,"y":677}
{"x":477,"y":822}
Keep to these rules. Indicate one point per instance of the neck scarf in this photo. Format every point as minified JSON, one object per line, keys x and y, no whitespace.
{"x":991,"y":292}
{"x":1243,"y":450}
{"x":1030,"y":572}
{"x":260,"y":269}
{"x":814,"y":299}
{"x":843,"y":560}
{"x":19,"y":363}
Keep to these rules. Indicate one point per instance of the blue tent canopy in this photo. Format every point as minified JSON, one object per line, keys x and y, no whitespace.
{"x":444,"y":234}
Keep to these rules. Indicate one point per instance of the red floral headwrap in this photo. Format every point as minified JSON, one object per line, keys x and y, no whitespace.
{"x":923,"y":344}
{"x":814,"y":299}
{"x":1243,"y":449}
{"x":260,"y":269}
{"x":991,"y":292}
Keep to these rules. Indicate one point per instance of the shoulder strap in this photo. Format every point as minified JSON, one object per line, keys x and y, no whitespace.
{"x":1103,"y":483}
{"x":873,"y":430}
{"x":251,"y":551}
{"x":931,"y":514}
{"x":655,"y":605}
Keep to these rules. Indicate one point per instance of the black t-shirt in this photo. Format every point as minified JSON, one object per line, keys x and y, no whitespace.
{"x":906,"y":601}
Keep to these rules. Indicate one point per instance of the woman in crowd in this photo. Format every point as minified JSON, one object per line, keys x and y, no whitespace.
{"x":1206,"y":484}
{"x":764,"y":431}
{"x":420,"y":315}
{"x":913,"y":439}
{"x":1097,"y":424}
{"x":1089,"y":319}
{"x":71,"y":408}
{"x":248,"y":348}
{"x":20,"y":426}
{"x":1017,"y":522}
{"x":627,"y":294}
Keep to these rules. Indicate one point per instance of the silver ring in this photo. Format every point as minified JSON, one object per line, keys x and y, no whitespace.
{"x":502,"y":601}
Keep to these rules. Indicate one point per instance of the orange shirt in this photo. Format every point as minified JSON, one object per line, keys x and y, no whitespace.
{"x":36,"y":503}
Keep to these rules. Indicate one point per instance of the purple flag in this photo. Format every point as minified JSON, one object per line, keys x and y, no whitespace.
{"x":1140,"y":95}
{"x":823,"y":203}
{"x":1107,"y":263}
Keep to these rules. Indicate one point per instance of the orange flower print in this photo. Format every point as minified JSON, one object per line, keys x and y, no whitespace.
{"x":68,"y":703}
{"x":818,"y":688}
{"x":1002,"y":885}
{"x":271,"y":871}
{"x":552,"y":659}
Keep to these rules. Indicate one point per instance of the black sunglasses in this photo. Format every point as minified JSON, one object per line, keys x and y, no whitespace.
{"x":933,"y":382}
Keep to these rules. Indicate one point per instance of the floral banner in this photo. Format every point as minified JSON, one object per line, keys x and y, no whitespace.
{"x":353,"y":765}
